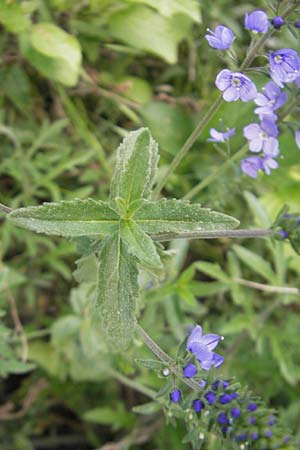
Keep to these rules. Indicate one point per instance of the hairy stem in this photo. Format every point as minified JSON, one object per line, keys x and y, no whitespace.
{"x":254,"y":233}
{"x":215,"y":106}
{"x":164,"y":357}
{"x":5,"y":209}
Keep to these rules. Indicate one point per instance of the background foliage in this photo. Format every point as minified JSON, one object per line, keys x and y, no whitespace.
{"x":74,"y":78}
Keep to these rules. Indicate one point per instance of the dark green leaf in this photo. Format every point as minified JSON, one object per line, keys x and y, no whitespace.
{"x":139,"y":244}
{"x":177,"y":216}
{"x":136,"y":163}
{"x":68,"y":218}
{"x":117,"y":292}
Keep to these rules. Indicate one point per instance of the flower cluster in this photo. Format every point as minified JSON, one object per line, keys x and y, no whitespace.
{"x":220,"y":405}
{"x":284,"y":67}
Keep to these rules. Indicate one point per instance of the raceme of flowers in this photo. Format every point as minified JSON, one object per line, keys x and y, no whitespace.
{"x":284,"y":67}
{"x":220,"y":405}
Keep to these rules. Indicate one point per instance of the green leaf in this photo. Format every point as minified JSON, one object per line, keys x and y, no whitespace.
{"x":147,"y":408}
{"x":144,"y":29}
{"x":177,"y":216}
{"x":170,"y":7}
{"x":52,"y":51}
{"x":117,"y":417}
{"x":256,"y":263}
{"x":213,"y":270}
{"x":137,"y":158}
{"x":13,"y":17}
{"x":117,"y":292}
{"x":68,"y":218}
{"x":150,"y":364}
{"x":139,"y":244}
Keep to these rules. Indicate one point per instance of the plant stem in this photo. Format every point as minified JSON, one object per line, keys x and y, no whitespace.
{"x":267,"y":288}
{"x":132,"y":383}
{"x":215,"y":106}
{"x":187,"y":145}
{"x":5,"y":209}
{"x":242,"y":234}
{"x":164,"y":357}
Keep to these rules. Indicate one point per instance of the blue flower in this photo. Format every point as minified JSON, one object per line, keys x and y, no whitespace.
{"x":250,"y":166}
{"x":198,"y":405}
{"x":210,"y":397}
{"x":241,"y":437}
{"x":235,"y":412}
{"x":254,"y":436}
{"x":218,"y":136}
{"x":202,"y":346}
{"x":262,"y":136}
{"x":190,"y":370}
{"x":270,"y":100}
{"x":222,"y":418}
{"x":269,"y":163}
{"x":284,"y":66}
{"x":252,"y":420}
{"x":269,"y":433}
{"x":257,"y":21}
{"x":297,"y":137}
{"x":225,"y":398}
{"x":175,"y":395}
{"x":297,"y":23}
{"x":221,"y":38}
{"x":278,"y":22}
{"x":234,"y":395}
{"x":235,"y":85}
{"x":215,"y":384}
{"x":271,"y":421}
{"x":252,"y":407}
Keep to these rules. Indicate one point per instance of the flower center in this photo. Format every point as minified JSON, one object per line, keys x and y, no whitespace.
{"x":263,"y":135}
{"x":236,"y":82}
{"x":278,"y":59}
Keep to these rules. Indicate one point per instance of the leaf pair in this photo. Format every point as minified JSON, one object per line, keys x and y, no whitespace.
{"x":126,"y":222}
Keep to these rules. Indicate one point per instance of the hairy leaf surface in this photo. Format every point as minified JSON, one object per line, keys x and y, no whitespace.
{"x":68,"y":218}
{"x":117,"y":292}
{"x":139,"y":244}
{"x":177,"y":216}
{"x":136,"y":163}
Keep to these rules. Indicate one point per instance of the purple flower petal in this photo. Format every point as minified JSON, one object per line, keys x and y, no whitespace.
{"x":257,"y":21}
{"x":201,"y":351}
{"x":223,"y":80}
{"x":195,"y":336}
{"x":256,"y":145}
{"x":297,"y":137}
{"x":271,"y":147}
{"x":218,"y":136}
{"x":231,"y":94}
{"x":221,"y":38}
{"x":284,"y":66}
{"x":250,"y":166}
{"x":210,"y":340}
{"x":251,"y":131}
{"x":217,"y":360}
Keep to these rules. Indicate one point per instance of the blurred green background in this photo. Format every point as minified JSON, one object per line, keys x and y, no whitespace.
{"x":75,"y":76}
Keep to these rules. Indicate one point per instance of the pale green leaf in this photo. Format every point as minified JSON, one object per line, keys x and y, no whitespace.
{"x":52,"y":51}
{"x":68,"y":218}
{"x":139,"y":244}
{"x":117,"y":292}
{"x":150,"y":364}
{"x":147,"y":408}
{"x":177,"y":216}
{"x":213,"y":270}
{"x":169,"y":7}
{"x":255,"y":262}
{"x":136,"y":164}
{"x":12,"y":16}
{"x":145,"y":29}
